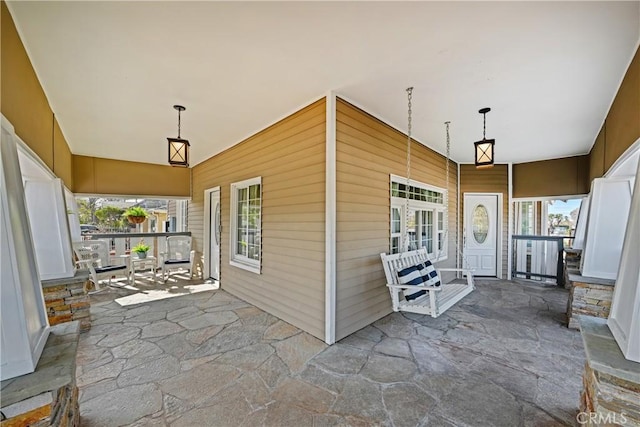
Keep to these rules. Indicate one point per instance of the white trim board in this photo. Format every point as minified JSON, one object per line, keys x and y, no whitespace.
{"x":510,"y":224}
{"x":547,"y":198}
{"x":330,"y":220}
{"x":458,"y":230}
{"x":129,"y":196}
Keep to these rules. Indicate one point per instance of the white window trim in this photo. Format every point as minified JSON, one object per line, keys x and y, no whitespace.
{"x":400,"y":203}
{"x":236,"y":260}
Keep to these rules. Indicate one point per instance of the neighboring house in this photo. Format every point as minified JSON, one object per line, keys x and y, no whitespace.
{"x":308,"y":203}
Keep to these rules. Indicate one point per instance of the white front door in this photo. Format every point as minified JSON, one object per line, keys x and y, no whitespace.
{"x":214,"y":234}
{"x":481,"y":231}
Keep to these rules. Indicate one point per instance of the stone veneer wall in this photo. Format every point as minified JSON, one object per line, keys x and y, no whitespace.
{"x":572,"y":259}
{"x":590,"y":297}
{"x":67,"y":300}
{"x":611,"y":383}
{"x":48,"y":396}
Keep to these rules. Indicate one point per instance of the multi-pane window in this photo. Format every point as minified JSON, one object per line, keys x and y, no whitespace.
{"x":441,"y":231}
{"x":396,"y":230}
{"x":425,"y":225}
{"x":246,"y":215}
{"x":525,"y":217}
{"x":416,"y":192}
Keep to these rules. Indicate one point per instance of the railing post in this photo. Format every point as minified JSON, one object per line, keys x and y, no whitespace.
{"x":560,"y":268}
{"x":513,"y":257}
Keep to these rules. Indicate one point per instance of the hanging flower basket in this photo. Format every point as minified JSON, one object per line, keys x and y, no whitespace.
{"x":135,"y":215}
{"x":136,"y":219}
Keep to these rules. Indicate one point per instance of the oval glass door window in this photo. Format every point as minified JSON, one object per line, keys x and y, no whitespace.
{"x":480,"y":224}
{"x":216,"y":232}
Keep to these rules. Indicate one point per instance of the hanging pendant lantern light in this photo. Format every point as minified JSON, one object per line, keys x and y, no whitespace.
{"x":484,"y":149}
{"x":178,"y":147}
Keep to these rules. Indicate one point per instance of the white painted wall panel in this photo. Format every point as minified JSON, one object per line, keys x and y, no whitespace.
{"x":624,"y":320}
{"x":47,"y":213}
{"x":608,"y":214}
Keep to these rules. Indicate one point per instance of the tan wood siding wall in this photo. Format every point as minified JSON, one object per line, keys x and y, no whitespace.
{"x":622,"y":125}
{"x":290,"y":158}
{"x":623,"y":120}
{"x":596,"y":157}
{"x":96,"y":175}
{"x":62,"y":157}
{"x":25,"y":105}
{"x":557,"y":177}
{"x":368,"y":151}
{"x":494,"y":180}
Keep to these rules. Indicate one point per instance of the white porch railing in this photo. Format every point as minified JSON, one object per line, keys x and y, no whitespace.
{"x":121,"y":243}
{"x":538,"y":258}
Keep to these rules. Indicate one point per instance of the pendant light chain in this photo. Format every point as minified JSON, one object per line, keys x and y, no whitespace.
{"x":405,"y":235}
{"x":484,"y":126}
{"x":179,"y":123}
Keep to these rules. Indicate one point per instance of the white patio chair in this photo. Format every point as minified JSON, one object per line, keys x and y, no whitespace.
{"x":94,"y":256}
{"x":178,"y":255}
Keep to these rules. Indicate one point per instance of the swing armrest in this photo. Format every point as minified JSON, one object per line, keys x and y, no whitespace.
{"x":426,"y":288}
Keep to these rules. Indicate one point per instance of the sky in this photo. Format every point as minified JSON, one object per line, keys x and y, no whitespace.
{"x":563,"y":207}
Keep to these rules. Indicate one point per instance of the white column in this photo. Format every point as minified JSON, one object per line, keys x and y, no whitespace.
{"x":24,"y":327}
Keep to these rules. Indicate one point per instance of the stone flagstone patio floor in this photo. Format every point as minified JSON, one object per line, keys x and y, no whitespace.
{"x":501,"y":357}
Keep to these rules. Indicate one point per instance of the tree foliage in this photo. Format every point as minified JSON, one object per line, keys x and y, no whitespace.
{"x":110,"y":217}
{"x":87,"y":210}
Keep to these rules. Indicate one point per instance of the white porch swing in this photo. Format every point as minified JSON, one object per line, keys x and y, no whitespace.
{"x":414,"y":283}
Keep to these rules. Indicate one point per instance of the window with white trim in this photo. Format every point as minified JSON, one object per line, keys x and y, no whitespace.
{"x":426,"y":222}
{"x":246,"y":224}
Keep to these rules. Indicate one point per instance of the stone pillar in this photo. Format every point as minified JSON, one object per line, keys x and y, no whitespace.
{"x":588,"y":296}
{"x":611,"y":383}
{"x":572,"y":264}
{"x":49,"y":395}
{"x":67,"y":300}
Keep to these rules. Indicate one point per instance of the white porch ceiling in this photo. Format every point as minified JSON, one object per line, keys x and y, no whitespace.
{"x":113,"y":70}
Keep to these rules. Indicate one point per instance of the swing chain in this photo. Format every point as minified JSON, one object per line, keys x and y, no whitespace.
{"x":409,"y":97}
{"x":446,"y":206}
{"x":445,"y":236}
{"x":405,"y":236}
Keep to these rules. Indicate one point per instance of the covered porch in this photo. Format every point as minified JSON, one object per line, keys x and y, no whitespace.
{"x":297,"y":180}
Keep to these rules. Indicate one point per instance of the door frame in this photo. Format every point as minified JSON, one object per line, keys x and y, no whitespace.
{"x":207,"y":229}
{"x":500,"y":228}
